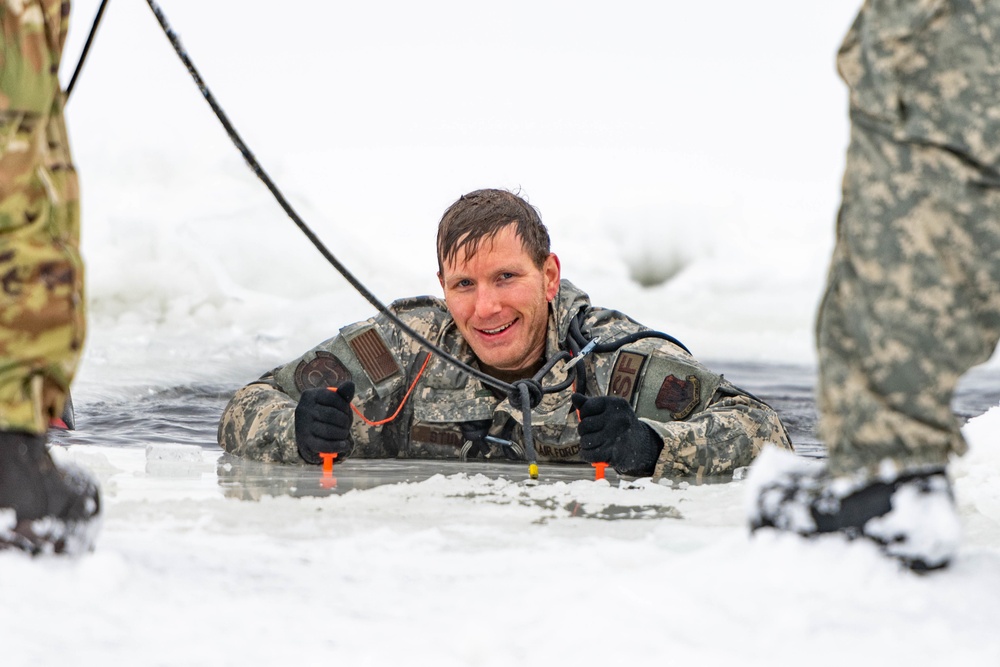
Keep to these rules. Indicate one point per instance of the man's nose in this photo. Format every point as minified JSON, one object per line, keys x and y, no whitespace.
{"x":487,"y":303}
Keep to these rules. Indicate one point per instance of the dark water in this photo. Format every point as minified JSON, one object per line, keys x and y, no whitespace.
{"x":190,"y":414}
{"x":789,"y":389}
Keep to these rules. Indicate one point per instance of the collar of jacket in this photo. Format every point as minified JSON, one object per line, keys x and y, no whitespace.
{"x":569,"y":301}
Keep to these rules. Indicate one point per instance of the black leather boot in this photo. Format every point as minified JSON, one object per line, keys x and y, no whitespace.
{"x":44,"y":508}
{"x":910,"y":515}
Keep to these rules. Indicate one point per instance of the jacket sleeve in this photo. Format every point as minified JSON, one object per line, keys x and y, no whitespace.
{"x":259,"y":423}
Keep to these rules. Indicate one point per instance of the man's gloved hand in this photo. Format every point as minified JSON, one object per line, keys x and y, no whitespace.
{"x":610,"y":432}
{"x":323,"y":422}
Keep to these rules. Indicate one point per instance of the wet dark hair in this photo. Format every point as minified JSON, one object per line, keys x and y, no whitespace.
{"x":480,"y":215}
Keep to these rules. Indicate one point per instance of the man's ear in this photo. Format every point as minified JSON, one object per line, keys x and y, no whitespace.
{"x":441,"y":280}
{"x":552,"y":272}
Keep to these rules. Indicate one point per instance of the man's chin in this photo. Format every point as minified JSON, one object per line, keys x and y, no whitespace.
{"x":490,"y":359}
{"x":499,"y":365}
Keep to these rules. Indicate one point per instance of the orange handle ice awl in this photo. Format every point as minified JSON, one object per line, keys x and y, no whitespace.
{"x":328,"y":459}
{"x":599,"y":470}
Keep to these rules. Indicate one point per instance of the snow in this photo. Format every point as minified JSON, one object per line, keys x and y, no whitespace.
{"x":697,"y":143}
{"x":921,"y":526}
{"x":778,"y":466}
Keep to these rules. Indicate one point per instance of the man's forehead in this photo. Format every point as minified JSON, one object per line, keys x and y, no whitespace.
{"x":504,"y":240}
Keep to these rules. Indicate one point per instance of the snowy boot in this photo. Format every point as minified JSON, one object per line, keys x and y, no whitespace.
{"x":44,"y":508}
{"x":911,"y":516}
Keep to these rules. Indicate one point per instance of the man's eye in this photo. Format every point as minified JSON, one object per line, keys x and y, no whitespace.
{"x":506,"y":276}
{"x":463,"y":283}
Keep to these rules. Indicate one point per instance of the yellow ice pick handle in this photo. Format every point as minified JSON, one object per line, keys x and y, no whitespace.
{"x":533,"y":471}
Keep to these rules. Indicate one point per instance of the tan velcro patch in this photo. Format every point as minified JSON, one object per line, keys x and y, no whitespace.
{"x":625,"y":376}
{"x":374,"y":355}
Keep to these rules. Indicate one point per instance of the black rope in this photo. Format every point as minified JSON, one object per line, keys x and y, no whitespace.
{"x":86,"y":49}
{"x":529,"y":438}
{"x":279,"y":197}
{"x":638,"y":335}
{"x":580,"y":338}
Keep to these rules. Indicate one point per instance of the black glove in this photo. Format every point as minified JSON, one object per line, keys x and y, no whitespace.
{"x":610,"y":432}
{"x":323,"y":422}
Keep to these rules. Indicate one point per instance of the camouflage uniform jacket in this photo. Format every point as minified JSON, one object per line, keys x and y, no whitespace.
{"x":708,"y":425}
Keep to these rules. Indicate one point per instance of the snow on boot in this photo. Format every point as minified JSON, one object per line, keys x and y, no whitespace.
{"x":911,"y":516}
{"x":44,"y":508}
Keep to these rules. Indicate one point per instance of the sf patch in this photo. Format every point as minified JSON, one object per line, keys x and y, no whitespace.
{"x":326,"y":370}
{"x":679,"y":396}
{"x":625,"y":375}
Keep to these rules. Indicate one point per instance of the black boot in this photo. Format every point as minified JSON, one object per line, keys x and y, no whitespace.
{"x":911,"y":516}
{"x":44,"y":508}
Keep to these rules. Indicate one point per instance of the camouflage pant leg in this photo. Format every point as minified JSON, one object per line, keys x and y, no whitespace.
{"x":41,"y":277}
{"x":913,"y":301}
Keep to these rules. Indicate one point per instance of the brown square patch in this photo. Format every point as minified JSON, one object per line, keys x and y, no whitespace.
{"x":374,"y":355}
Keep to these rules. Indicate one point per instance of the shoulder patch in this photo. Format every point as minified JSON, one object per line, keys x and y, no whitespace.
{"x":625,"y":375}
{"x":374,"y":355}
{"x":326,"y":370}
{"x":679,"y":396}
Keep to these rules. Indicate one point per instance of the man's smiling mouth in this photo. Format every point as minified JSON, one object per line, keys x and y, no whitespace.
{"x":500,"y":329}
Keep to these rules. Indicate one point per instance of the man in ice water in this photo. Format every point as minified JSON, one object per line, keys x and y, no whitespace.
{"x":912,"y":300}
{"x":43,"y":507}
{"x":639,"y":401}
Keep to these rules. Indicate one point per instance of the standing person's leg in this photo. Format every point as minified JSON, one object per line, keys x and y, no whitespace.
{"x":913,"y":299}
{"x":41,"y":287}
{"x":913,"y":302}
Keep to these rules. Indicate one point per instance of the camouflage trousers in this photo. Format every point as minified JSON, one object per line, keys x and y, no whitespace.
{"x":913,"y":301}
{"x":913,"y":296}
{"x":41,"y":275}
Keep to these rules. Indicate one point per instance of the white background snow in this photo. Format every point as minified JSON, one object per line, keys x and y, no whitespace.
{"x":700,"y":144}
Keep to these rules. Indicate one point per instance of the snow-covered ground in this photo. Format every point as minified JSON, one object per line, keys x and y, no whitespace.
{"x":461,"y":570}
{"x":696,"y":148}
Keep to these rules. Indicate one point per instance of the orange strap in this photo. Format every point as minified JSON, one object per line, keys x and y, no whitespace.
{"x":402,"y":403}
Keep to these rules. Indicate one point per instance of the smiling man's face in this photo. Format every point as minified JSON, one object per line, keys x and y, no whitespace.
{"x":499,"y":300}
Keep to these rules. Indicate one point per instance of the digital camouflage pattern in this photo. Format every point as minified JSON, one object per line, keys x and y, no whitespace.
{"x":41,"y":277}
{"x":709,"y":426}
{"x":913,"y":299}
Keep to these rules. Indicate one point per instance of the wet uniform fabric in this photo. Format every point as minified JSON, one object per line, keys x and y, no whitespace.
{"x":41,"y":274}
{"x":709,"y":426}
{"x":912,"y":300}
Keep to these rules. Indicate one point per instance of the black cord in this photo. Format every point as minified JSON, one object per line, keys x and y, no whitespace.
{"x":86,"y":50}
{"x":576,"y":333}
{"x":638,"y":335}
